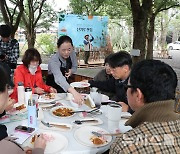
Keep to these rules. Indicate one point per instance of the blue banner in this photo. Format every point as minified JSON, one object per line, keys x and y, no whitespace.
{"x":77,"y":26}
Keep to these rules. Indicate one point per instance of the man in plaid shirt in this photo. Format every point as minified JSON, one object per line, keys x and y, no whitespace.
{"x":156,"y":127}
{"x":9,"y":48}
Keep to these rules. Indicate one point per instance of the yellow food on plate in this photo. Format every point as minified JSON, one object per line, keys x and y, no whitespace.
{"x":50,"y":96}
{"x":97,"y":140}
{"x":33,"y":139}
{"x":63,"y":112}
{"x":20,"y":107}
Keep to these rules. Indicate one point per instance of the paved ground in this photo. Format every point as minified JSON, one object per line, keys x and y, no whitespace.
{"x":174,"y":62}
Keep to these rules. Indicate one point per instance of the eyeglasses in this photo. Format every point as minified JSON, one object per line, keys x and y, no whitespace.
{"x":126,"y":86}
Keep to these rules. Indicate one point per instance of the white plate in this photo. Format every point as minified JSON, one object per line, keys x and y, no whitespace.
{"x":54,"y":108}
{"x":105,"y":98}
{"x":45,"y":105}
{"x":80,"y":84}
{"x":84,"y":134}
{"x":42,"y":98}
{"x":89,"y":123}
{"x":57,"y":142}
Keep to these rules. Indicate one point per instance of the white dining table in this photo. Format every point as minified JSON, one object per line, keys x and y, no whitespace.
{"x":73,"y":147}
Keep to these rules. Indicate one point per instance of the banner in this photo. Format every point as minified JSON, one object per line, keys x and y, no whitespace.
{"x":77,"y":26}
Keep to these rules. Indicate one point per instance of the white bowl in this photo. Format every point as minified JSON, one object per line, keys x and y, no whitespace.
{"x":105,"y":98}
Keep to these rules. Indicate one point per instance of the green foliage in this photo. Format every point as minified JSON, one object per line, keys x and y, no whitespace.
{"x":87,"y":7}
{"x":47,"y":43}
{"x":47,"y":17}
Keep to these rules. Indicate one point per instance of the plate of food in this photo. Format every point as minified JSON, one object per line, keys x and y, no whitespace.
{"x":62,"y":111}
{"x":17,"y":109}
{"x":80,"y":84}
{"x":56,"y":142}
{"x":49,"y":97}
{"x":84,"y":136}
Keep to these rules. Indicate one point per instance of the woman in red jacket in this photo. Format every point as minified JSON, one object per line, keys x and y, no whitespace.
{"x":29,"y":73}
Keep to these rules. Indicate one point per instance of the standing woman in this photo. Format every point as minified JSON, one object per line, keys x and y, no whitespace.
{"x":61,"y":66}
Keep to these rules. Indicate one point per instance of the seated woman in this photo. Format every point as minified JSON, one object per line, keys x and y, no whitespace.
{"x":7,"y":145}
{"x":29,"y":73}
{"x":61,"y":66}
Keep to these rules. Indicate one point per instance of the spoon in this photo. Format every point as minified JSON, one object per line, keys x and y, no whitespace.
{"x":78,"y":122}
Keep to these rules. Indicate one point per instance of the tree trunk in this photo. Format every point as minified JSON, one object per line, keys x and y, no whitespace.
{"x":139,"y":39}
{"x":140,"y":13}
{"x":150,"y":38}
{"x":163,"y":33}
{"x":175,"y":35}
{"x":4,"y":11}
{"x":31,"y":37}
{"x":130,"y":29}
{"x":8,"y":17}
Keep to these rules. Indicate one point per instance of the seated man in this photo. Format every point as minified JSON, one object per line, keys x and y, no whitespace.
{"x":151,"y":94}
{"x":120,"y":66}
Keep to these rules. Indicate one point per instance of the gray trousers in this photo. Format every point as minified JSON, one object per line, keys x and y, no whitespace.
{"x":86,"y":56}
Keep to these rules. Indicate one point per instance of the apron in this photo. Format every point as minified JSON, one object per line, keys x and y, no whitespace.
{"x":50,"y":78}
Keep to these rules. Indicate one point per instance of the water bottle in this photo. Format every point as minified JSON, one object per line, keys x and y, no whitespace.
{"x":21,"y":94}
{"x":32,"y":114}
{"x":28,"y":95}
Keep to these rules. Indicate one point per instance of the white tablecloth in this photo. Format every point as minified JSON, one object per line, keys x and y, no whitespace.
{"x":73,"y":147}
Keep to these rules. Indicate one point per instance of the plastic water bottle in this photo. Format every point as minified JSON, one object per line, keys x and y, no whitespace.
{"x":20,"y":91}
{"x":32,"y":114}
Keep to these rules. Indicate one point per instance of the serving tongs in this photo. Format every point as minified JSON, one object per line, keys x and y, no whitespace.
{"x":91,"y":111}
{"x":79,"y":122}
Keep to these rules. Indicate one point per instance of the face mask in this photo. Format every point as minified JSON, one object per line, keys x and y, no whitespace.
{"x":32,"y":69}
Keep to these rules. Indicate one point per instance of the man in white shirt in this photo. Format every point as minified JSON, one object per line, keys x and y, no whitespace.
{"x":87,"y":47}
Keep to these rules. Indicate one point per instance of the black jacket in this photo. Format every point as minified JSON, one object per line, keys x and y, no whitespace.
{"x":115,"y":86}
{"x":3,"y":129}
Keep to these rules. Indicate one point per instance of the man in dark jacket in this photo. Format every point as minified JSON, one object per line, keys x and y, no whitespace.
{"x":120,"y":64}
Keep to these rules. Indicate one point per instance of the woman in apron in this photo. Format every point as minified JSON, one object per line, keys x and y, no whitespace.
{"x":61,"y":66}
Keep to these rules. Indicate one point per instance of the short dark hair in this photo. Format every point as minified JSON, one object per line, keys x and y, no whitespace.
{"x":156,"y":80}
{"x":5,"y":30}
{"x":86,"y":35}
{"x":106,"y":60}
{"x":120,"y":59}
{"x":63,"y":39}
{"x":30,"y":55}
{"x":3,"y":79}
